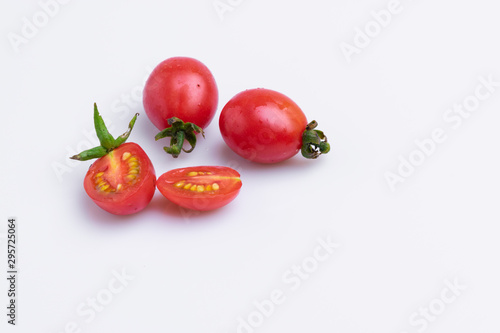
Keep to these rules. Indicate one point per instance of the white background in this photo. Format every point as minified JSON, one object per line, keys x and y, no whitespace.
{"x":193,"y":272}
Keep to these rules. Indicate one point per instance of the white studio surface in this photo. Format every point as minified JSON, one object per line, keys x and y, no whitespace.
{"x":395,"y":230}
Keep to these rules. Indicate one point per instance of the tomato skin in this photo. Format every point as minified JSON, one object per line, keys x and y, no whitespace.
{"x":228,"y":180}
{"x":131,"y":198}
{"x":180,"y":87}
{"x":262,"y":125}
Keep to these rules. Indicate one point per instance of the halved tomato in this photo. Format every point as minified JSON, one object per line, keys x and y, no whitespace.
{"x":200,"y":188}
{"x":122,"y":181}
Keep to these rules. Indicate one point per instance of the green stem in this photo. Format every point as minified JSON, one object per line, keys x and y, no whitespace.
{"x":108,"y":143}
{"x":314,"y":142}
{"x":122,"y":138}
{"x":175,"y":144}
{"x":90,"y":154}
{"x":179,"y":132}
{"x":106,"y":140}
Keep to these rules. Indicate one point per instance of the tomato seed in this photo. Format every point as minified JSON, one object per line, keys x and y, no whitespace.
{"x":126,"y":155}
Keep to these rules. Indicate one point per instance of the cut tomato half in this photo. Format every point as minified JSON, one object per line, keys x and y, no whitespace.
{"x":123,"y":181}
{"x":200,"y":188}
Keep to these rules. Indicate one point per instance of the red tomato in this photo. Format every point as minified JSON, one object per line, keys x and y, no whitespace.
{"x":180,"y":87}
{"x":200,"y":188}
{"x":262,"y":125}
{"x":123,"y":181}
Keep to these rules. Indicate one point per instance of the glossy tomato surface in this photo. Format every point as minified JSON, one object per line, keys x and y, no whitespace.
{"x":200,"y":188}
{"x":262,"y":125}
{"x":180,"y":87}
{"x":123,"y":181}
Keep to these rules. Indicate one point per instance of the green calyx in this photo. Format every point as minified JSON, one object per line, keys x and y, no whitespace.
{"x":179,"y":131}
{"x":108,"y":143}
{"x":314,"y":142}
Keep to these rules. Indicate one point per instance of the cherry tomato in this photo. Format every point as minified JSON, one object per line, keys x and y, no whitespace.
{"x":123,"y":181}
{"x":200,"y":188}
{"x":266,"y":126}
{"x":184,"y":89}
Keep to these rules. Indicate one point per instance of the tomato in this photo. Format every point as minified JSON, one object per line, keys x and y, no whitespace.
{"x":180,"y":87}
{"x":184,"y":89}
{"x":200,"y":188}
{"x":123,"y":181}
{"x":266,"y":126}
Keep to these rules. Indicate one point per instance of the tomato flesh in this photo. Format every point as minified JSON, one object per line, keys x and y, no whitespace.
{"x":262,"y":125}
{"x":180,"y":87}
{"x":123,"y":181}
{"x":200,"y":188}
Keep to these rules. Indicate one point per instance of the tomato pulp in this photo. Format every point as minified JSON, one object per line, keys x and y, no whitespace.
{"x":123,"y":181}
{"x":262,"y":125}
{"x":200,"y":188}
{"x":180,"y":87}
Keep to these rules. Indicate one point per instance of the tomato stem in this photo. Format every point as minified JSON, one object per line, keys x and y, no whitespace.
{"x":105,"y":138}
{"x":122,"y":138}
{"x":179,"y":132}
{"x":314,"y":142}
{"x":108,"y":143}
{"x":90,"y":154}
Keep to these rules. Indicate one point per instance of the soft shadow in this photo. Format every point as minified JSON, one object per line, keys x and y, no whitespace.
{"x":179,"y":214}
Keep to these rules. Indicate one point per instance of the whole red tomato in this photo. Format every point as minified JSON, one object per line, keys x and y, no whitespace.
{"x":266,"y":126}
{"x":183,"y":91}
{"x":122,"y":180}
